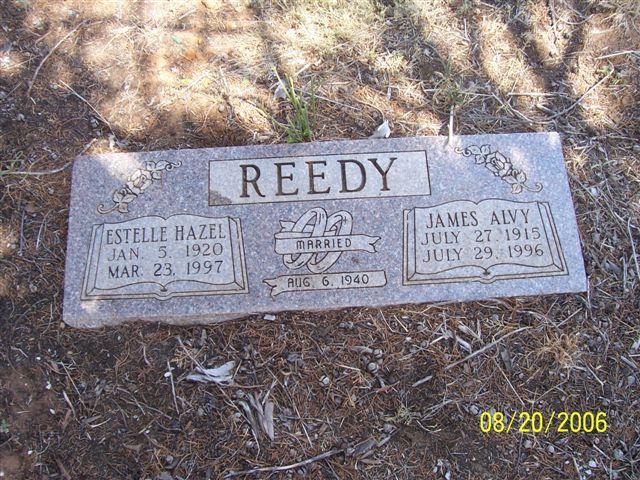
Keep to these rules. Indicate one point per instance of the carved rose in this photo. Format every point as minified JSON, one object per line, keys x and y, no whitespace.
{"x":501,"y":166}
{"x":136,"y":184}
{"x":139,"y":181}
{"x":498,"y":164}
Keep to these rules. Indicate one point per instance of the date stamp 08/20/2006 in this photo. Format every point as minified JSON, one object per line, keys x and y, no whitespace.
{"x":538,"y":422}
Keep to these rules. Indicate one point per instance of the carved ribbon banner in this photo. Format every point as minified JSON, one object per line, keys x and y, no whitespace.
{"x":316,"y":240}
{"x":327,"y":281}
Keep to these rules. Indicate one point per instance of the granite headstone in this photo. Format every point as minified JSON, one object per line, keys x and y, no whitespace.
{"x":196,"y":236}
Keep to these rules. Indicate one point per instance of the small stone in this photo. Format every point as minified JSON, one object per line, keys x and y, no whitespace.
{"x":325,"y":381}
{"x":269,"y":317}
{"x":528,"y":443}
{"x":636,"y":148}
{"x":551,"y":449}
{"x":618,"y":455}
{"x":474,"y":410}
{"x":377,"y":353}
{"x":388,"y":428}
{"x":593,"y":463}
{"x":222,"y":107}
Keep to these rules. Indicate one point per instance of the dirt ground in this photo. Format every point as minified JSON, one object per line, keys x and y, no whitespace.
{"x":109,"y":76}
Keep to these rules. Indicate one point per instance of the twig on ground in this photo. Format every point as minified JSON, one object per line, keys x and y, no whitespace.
{"x":173,"y":387}
{"x":472,"y":355}
{"x":100,"y":116}
{"x":363,"y":102}
{"x":488,"y":346}
{"x":46,"y":57}
{"x":21,"y":249}
{"x":604,"y":205}
{"x":63,"y":470}
{"x":509,"y":108}
{"x":12,"y":90}
{"x":38,"y":173}
{"x":66,"y":398}
{"x":575,"y":465}
{"x":582,"y":97}
{"x":633,"y":249}
{"x":617,"y":54}
{"x":326,"y":99}
{"x":557,"y":114}
{"x":534,"y":94}
{"x":422,"y":380}
{"x":284,"y":468}
{"x":196,"y":81}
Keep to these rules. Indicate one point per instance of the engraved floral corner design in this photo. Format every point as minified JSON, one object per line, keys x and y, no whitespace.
{"x":501,"y":166}
{"x":136,"y":185}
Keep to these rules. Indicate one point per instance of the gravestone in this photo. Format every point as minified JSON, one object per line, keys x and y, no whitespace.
{"x":195,"y":236}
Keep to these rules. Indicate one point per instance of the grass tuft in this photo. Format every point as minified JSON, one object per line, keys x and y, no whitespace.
{"x":299,"y":125}
{"x":12,"y":164}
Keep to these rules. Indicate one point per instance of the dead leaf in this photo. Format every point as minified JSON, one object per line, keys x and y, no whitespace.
{"x":363,"y":449}
{"x":267,"y":420}
{"x":383,"y":130}
{"x":222,"y":374}
{"x":248,"y":413}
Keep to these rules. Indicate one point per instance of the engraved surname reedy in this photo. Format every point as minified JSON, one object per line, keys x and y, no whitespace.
{"x":354,"y":175}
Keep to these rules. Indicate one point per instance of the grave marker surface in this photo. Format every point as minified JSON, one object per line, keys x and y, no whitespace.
{"x":196,"y":236}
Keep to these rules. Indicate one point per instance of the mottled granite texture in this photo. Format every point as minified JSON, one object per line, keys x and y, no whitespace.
{"x":196,"y":236}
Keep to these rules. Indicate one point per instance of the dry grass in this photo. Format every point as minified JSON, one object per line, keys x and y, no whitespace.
{"x":189,"y":73}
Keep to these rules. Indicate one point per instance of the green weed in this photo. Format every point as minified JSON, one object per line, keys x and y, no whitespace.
{"x":12,"y":164}
{"x":299,"y":125}
{"x":448,"y":89}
